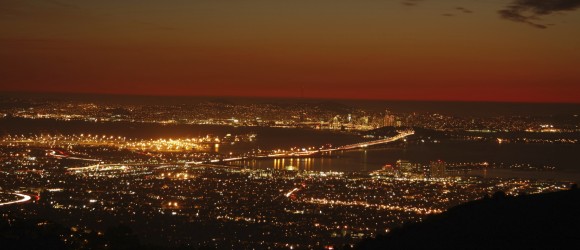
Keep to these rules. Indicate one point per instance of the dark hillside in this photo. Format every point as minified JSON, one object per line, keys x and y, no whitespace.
{"x":540,"y":221}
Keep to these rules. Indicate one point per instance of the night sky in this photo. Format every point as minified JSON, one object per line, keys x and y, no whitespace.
{"x":474,"y":50}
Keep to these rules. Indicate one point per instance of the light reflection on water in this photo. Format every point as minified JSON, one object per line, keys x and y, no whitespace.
{"x":375,"y":159}
{"x":564,"y":157}
{"x":320,"y":164}
{"x":299,"y":164}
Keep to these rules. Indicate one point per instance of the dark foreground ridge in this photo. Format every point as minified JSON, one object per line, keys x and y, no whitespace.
{"x":539,"y":221}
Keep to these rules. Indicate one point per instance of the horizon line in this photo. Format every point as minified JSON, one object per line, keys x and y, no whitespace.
{"x":277,"y":97}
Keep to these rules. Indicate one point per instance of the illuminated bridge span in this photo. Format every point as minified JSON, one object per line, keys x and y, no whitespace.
{"x":401,"y":135}
{"x":121,"y":167}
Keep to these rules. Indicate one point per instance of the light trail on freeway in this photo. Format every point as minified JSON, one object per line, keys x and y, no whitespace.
{"x":24,"y":197}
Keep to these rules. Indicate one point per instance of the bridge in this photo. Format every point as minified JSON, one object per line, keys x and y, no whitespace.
{"x":303,"y":153}
{"x":401,"y":135}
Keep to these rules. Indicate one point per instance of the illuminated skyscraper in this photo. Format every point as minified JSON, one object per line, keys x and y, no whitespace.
{"x":404,"y":166}
{"x":389,"y":119}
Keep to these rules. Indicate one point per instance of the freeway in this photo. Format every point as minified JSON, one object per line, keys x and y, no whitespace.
{"x":24,"y":198}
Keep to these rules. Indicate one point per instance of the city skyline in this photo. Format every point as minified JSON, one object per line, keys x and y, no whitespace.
{"x":462,"y":50}
{"x":96,"y":173}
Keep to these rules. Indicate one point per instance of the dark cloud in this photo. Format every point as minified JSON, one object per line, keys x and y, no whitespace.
{"x":464,"y":10}
{"x":411,"y":2}
{"x":531,"y":11}
{"x":459,"y":9}
{"x":448,"y":15}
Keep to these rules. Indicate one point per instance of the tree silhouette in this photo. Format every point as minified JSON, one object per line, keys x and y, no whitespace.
{"x":122,"y":237}
{"x":499,"y":195}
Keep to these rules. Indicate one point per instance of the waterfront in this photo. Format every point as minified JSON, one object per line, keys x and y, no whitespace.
{"x":562,"y":157}
{"x":524,"y":161}
{"x":289,"y":124}
{"x":179,"y":184}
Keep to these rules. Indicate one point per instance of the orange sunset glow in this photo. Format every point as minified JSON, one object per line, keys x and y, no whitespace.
{"x":508,"y":50}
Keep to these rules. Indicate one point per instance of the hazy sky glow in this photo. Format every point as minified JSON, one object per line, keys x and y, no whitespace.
{"x":480,"y":50}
